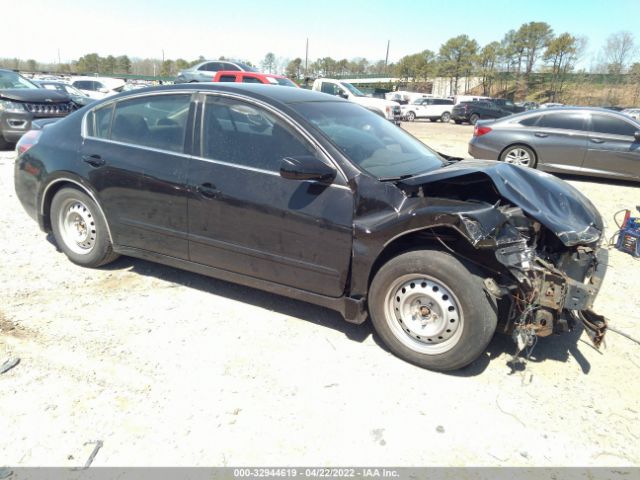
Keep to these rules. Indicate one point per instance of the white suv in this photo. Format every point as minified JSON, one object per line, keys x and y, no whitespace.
{"x":431,"y":108}
{"x":385,"y":108}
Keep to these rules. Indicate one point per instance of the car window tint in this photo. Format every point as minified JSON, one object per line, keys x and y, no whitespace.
{"x":330,"y":88}
{"x":229,"y":66}
{"x":565,"y":121}
{"x":100,"y":122}
{"x":611,"y":125}
{"x":242,"y":134}
{"x":251,"y":80}
{"x":530,"y":121}
{"x":158,"y":121}
{"x":227,"y":78}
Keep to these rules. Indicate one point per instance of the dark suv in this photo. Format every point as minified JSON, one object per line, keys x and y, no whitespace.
{"x":473,"y":111}
{"x":21,"y":102}
{"x":508,"y":105}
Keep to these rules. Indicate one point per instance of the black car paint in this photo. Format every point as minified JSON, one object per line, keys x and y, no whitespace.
{"x":304,"y":239}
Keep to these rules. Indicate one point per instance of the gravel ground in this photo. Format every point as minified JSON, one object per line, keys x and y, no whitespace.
{"x":172,"y":368}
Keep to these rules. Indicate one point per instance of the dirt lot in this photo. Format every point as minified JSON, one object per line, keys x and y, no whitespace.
{"x":172,"y":368}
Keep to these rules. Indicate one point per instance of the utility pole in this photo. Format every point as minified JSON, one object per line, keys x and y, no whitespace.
{"x":163,"y":55}
{"x":59,"y":62}
{"x":306,"y":59}
{"x":386,"y":58}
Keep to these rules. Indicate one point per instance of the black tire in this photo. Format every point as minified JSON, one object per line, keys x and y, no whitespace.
{"x":95,"y":249}
{"x":473,"y":119}
{"x":529,"y":151}
{"x":467,"y":300}
{"x":458,"y":122}
{"x":411,"y":116}
{"x":445,"y":117}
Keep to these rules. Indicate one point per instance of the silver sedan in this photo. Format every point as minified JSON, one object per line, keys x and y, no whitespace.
{"x":584,"y":141}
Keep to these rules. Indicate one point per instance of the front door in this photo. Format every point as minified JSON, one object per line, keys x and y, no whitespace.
{"x":559,"y":139}
{"x":612,"y":148}
{"x":245,"y":218}
{"x":134,"y":151}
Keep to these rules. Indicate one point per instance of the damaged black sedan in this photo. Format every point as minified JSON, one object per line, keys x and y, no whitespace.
{"x":316,"y":198}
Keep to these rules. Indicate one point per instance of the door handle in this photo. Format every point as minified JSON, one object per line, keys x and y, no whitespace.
{"x":93,"y":160}
{"x":207,"y":190}
{"x":596,"y":140}
{"x":541,"y":135}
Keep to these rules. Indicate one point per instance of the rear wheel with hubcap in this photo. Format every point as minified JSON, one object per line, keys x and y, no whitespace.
{"x":411,"y":116}
{"x":431,"y":309}
{"x":519,"y":155}
{"x":445,"y":117}
{"x":80,"y":229}
{"x":473,"y":119}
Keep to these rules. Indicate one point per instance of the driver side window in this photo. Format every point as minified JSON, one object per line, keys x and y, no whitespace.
{"x":245,"y":135}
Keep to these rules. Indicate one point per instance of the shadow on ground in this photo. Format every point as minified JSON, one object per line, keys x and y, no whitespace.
{"x":557,"y":348}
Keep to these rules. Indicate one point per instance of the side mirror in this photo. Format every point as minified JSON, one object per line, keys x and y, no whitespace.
{"x":306,"y":167}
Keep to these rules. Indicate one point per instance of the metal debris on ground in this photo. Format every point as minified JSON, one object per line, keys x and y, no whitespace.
{"x":9,"y":364}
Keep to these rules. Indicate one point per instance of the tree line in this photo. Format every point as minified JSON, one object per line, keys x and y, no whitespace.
{"x":533,"y":47}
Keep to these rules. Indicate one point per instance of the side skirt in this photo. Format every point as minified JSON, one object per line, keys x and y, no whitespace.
{"x":352,"y":309}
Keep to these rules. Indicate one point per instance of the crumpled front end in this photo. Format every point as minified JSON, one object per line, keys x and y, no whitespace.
{"x":538,"y":237}
{"x":549,"y":286}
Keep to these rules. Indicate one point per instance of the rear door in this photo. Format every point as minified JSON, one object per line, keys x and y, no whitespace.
{"x":560,"y":139}
{"x":612,"y":147}
{"x":245,"y":218}
{"x":134,"y":155}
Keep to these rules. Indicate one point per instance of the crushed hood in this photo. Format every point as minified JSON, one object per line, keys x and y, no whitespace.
{"x":551,"y":201}
{"x":35,"y":95}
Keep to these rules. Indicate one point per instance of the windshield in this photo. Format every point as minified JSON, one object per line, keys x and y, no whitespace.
{"x":13,"y":80}
{"x":368,"y":140}
{"x":353,"y":90}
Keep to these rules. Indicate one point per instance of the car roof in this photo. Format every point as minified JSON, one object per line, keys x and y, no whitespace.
{"x":258,"y":91}
{"x":546,"y":111}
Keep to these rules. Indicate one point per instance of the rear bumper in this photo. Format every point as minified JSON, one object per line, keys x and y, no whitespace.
{"x":482,"y":152}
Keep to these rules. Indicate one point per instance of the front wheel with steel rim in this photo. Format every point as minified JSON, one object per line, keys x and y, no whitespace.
{"x":432,"y":310}
{"x":446,"y":117}
{"x":411,"y":116}
{"x":80,"y":229}
{"x":519,"y":155}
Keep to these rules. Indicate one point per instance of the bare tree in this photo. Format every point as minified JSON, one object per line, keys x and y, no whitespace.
{"x":619,"y":51}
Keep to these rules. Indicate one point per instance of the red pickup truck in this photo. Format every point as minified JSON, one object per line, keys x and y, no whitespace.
{"x":252,"y":77}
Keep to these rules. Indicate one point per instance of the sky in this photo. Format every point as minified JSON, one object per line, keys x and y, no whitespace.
{"x":248,"y":29}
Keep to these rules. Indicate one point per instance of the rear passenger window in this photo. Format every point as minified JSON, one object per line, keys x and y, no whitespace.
{"x":528,"y":122}
{"x":157,"y":122}
{"x":565,"y":121}
{"x":611,"y":125}
{"x":227,"y":78}
{"x":242,"y":134}
{"x":251,"y":80}
{"x":99,"y":122}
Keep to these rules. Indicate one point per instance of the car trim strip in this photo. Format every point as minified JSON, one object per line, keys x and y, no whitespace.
{"x":196,"y":157}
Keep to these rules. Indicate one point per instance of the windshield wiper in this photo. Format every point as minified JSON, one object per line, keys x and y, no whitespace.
{"x":395,"y":179}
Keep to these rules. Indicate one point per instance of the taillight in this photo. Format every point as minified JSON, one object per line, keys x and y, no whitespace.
{"x":479,"y":130}
{"x":27,"y":141}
